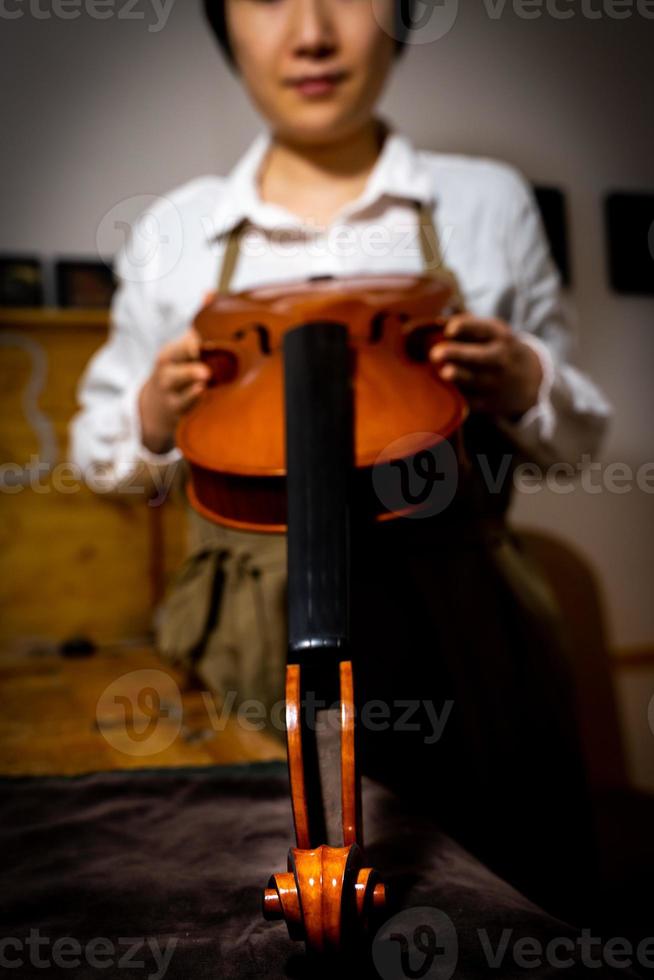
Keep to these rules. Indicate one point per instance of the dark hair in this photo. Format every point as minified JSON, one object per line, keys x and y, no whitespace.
{"x":214,"y":11}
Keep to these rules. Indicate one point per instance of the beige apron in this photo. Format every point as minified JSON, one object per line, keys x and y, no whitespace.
{"x":224,"y":613}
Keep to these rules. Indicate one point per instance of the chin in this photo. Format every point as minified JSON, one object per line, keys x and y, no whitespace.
{"x":316,"y":123}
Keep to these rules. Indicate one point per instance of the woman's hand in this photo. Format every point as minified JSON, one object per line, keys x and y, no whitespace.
{"x":177,"y":380}
{"x":496,"y":371}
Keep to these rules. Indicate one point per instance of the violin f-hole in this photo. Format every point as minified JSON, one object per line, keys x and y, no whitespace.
{"x":262,"y":332}
{"x":377,"y":324}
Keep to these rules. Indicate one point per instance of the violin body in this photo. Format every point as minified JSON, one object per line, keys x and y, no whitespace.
{"x":233,"y":438}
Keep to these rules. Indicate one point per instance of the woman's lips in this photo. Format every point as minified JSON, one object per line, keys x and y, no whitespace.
{"x":317,"y":84}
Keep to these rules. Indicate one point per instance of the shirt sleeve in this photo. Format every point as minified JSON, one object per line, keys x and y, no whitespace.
{"x":105,"y":439}
{"x":571,"y":415}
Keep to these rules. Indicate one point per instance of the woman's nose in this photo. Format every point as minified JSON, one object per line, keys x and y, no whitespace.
{"x":313,"y":28}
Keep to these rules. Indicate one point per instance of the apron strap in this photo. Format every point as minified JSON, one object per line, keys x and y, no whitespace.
{"x":432,"y":256}
{"x":230,"y":256}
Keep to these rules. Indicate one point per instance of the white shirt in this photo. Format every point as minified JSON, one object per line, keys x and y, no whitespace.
{"x":490,"y":234}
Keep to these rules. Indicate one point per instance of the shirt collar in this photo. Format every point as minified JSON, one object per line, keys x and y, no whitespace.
{"x":399,"y":172}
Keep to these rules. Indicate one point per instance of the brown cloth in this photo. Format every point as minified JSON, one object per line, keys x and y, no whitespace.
{"x":131,"y":864}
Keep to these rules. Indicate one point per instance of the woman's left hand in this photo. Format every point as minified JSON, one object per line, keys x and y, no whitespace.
{"x":496,"y":371}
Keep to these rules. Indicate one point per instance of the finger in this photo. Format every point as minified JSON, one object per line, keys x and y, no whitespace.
{"x":487,"y":355}
{"x":176,"y":377}
{"x":457,"y":375}
{"x":464,"y":326}
{"x":185,"y":348}
{"x":188,"y":399}
{"x":469,"y":380}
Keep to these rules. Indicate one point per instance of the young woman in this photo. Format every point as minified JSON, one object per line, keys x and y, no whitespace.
{"x":447,"y":614}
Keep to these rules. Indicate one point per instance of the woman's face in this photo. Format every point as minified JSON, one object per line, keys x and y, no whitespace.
{"x":276,"y":42}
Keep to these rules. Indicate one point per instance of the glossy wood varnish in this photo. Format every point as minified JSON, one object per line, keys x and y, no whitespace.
{"x":234,"y":436}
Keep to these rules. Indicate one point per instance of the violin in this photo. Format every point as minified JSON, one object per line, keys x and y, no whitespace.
{"x":233,"y":439}
{"x":314,"y":386}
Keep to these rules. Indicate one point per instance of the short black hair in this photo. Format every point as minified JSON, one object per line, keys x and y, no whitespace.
{"x":214,"y":11}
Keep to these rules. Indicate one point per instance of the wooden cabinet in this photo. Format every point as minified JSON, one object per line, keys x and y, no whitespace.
{"x":71,"y":561}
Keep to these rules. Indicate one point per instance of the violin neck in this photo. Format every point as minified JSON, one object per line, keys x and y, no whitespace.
{"x":319,"y":466}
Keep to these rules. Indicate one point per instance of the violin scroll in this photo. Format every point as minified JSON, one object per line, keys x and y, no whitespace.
{"x":327,"y":898}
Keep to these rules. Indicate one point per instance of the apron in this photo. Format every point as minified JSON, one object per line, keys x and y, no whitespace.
{"x":452,"y":628}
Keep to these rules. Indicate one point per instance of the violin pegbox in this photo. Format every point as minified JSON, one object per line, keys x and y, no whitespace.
{"x":327,"y":897}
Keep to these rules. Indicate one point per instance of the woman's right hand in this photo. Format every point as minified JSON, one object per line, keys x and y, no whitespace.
{"x":177,"y":380}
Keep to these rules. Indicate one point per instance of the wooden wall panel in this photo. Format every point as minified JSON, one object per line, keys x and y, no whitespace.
{"x":70,"y":562}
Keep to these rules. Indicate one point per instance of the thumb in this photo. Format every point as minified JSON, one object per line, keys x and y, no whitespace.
{"x":190,"y":343}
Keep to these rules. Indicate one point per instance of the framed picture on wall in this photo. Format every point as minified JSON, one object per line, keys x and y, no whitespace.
{"x":630,"y":241}
{"x":84,"y":283}
{"x":21,"y":281}
{"x":552,"y":205}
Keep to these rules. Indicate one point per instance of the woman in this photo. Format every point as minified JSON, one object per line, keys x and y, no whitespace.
{"x":446,"y":613}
